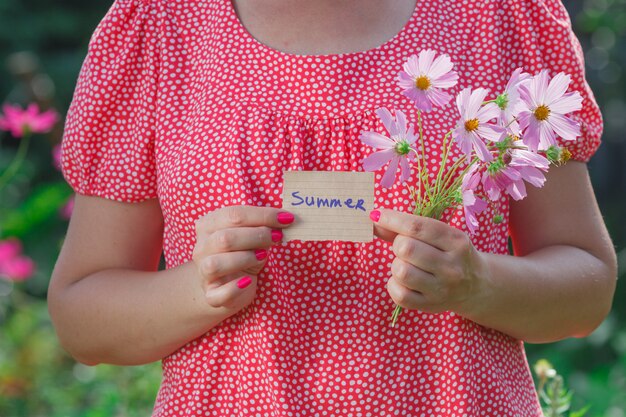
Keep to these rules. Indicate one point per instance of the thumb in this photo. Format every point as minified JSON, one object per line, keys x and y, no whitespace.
{"x":384,"y":234}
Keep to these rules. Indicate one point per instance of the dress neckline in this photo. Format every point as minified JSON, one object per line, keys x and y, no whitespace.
{"x":247,"y":37}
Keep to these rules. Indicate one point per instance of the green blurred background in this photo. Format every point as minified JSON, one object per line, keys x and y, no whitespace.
{"x":42,"y":45}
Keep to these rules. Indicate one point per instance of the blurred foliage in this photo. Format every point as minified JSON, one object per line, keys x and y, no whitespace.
{"x":42,"y":45}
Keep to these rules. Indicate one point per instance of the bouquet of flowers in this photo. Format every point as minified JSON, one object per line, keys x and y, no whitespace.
{"x":504,"y":142}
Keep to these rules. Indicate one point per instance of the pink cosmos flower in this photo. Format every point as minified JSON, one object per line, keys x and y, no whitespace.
{"x":425,"y":76}
{"x":56,"y":156}
{"x":14,"y":266}
{"x":472,"y":127}
{"x":472,"y":205}
{"x":510,"y":102}
{"x":396,"y":149}
{"x":19,"y":121}
{"x":545,"y":104}
{"x":509,"y":173}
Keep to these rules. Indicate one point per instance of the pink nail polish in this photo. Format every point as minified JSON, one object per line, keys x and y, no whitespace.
{"x":375,"y":215}
{"x":244,"y":282}
{"x":277,"y":235}
{"x":285,"y":218}
{"x":260,"y":254}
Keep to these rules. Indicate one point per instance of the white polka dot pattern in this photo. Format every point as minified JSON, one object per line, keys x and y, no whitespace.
{"x":176,"y":100}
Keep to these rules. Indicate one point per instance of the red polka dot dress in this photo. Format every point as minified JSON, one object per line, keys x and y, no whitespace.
{"x":177,"y":101}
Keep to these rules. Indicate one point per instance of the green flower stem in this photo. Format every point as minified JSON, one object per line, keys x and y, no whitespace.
{"x":433,"y":208}
{"x":422,"y":146}
{"x":444,"y":161}
{"x":453,"y":169}
{"x":395,"y":315}
{"x":17,"y":161}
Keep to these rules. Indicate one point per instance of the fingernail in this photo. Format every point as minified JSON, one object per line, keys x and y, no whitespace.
{"x":260,"y":254}
{"x":285,"y":218}
{"x":277,"y":235}
{"x":375,"y":215}
{"x":244,"y":282}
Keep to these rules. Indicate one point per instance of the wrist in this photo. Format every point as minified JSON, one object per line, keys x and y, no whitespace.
{"x":481,"y":291}
{"x":203,"y":311}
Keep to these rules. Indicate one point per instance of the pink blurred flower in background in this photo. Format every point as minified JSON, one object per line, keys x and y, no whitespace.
{"x":66,"y":211}
{"x":424,"y":77}
{"x":13,"y":265}
{"x":19,"y":122}
{"x":56,"y":156}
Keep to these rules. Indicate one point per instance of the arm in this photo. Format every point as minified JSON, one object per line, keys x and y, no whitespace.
{"x":562,"y":280}
{"x":108,"y":302}
{"x":560,"y":284}
{"x":106,"y":299}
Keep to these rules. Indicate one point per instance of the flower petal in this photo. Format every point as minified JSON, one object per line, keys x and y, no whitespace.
{"x":376,"y":140}
{"x":421,"y":101}
{"x":385,"y":116}
{"x":538,"y":86}
{"x":411,"y":67}
{"x":569,"y":103}
{"x":441,"y":65}
{"x":547,"y":137}
{"x":411,"y":135}
{"x":405,"y":169}
{"x":517,"y":190}
{"x":481,"y":149}
{"x":390,"y":174}
{"x":405,"y":81}
{"x":491,"y":132}
{"x":437,"y":97}
{"x":491,"y":187}
{"x":564,"y":127}
{"x":425,"y":60}
{"x":521,"y":157}
{"x":376,"y":160}
{"x":461,"y":101}
{"x":400,"y":123}
{"x":531,"y":136}
{"x":532,"y":175}
{"x":475,"y":101}
{"x":487,"y":112}
{"x":446,"y":80}
{"x":556,"y":88}
{"x":463,"y":139}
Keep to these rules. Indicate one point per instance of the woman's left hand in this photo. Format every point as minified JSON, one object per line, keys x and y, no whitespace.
{"x":436,"y":267}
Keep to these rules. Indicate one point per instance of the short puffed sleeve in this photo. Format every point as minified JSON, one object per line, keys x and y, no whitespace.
{"x":537,"y":35}
{"x":108,"y":141}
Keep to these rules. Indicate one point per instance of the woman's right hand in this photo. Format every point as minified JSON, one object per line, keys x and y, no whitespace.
{"x":231,"y":249}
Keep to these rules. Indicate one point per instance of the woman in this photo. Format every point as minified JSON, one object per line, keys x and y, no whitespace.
{"x":184,"y":118}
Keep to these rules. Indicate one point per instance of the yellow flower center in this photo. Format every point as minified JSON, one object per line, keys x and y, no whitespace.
{"x":471,"y":125}
{"x":542,"y":112}
{"x":422,"y":83}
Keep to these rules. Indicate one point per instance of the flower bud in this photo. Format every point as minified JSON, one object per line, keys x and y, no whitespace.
{"x":557,"y":155}
{"x":553,"y":154}
{"x":502,"y":101}
{"x":544,"y":369}
{"x":458,"y":196}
